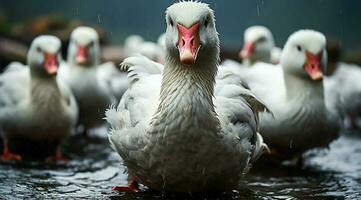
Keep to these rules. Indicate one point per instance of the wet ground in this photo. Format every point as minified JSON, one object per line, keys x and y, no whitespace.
{"x":94,"y":168}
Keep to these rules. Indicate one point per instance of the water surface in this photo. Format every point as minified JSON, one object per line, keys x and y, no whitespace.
{"x":94,"y":169}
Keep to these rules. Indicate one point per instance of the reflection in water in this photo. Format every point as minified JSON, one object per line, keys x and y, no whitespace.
{"x":94,"y":168}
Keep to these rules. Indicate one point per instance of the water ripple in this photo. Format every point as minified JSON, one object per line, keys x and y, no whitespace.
{"x":94,"y":168}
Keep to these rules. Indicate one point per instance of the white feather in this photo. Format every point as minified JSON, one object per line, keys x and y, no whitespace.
{"x":173,"y":131}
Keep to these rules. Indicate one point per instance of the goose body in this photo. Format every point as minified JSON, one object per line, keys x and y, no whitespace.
{"x":295,"y":94}
{"x":35,"y":105}
{"x":14,"y":66}
{"x":91,"y":92}
{"x":171,"y":129}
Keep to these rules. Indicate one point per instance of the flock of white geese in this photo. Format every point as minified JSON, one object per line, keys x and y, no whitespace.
{"x":190,"y":124}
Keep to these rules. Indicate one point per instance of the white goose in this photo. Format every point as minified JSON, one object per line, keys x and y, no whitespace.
{"x":258,"y":49}
{"x":259,"y":46}
{"x":172,"y":131}
{"x":343,"y":91}
{"x":34,"y":105}
{"x":135,"y":45}
{"x":295,"y":94}
{"x":131,"y":44}
{"x":95,"y":85}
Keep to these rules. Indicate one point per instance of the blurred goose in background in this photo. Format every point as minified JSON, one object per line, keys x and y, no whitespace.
{"x":171,"y":129}
{"x":95,"y":86}
{"x":259,"y":46}
{"x":161,"y":44}
{"x":150,"y":50}
{"x":295,"y":94}
{"x":132,"y":43}
{"x":343,"y":92}
{"x":34,"y":105}
{"x":14,"y":66}
{"x":276,"y":53}
{"x":135,"y":44}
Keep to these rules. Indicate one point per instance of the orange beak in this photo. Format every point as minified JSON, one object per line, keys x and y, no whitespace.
{"x":51,"y":63}
{"x":248,"y":50}
{"x":81,"y":55}
{"x":313,"y":66}
{"x":188,"y":43}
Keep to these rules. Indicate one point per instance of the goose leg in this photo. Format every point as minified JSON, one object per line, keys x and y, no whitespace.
{"x":133,"y":186}
{"x":7,"y":155}
{"x":85,"y":132}
{"x":353,"y":122}
{"x":57,"y":156}
{"x":299,"y":161}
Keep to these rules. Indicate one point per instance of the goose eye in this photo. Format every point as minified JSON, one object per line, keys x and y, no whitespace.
{"x":206,"y":23}
{"x":91,"y":43}
{"x":38,"y":49}
{"x":171,"y":22}
{"x":299,"y":48}
{"x":262,"y":39}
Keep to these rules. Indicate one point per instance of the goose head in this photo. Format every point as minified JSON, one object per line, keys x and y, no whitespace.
{"x":44,"y":55}
{"x":191,"y":35}
{"x":258,"y":43}
{"x":149,"y":49}
{"x":84,"y":47}
{"x":132,"y":43}
{"x":304,"y":55}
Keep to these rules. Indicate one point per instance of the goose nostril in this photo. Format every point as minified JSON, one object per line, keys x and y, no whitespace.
{"x":192,"y":42}
{"x":183,"y":42}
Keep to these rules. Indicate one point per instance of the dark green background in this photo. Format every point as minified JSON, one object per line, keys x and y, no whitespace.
{"x":338,"y":18}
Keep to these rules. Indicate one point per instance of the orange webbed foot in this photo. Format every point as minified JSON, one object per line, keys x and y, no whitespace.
{"x":58,"y":157}
{"x":133,"y":186}
{"x":7,"y":156}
